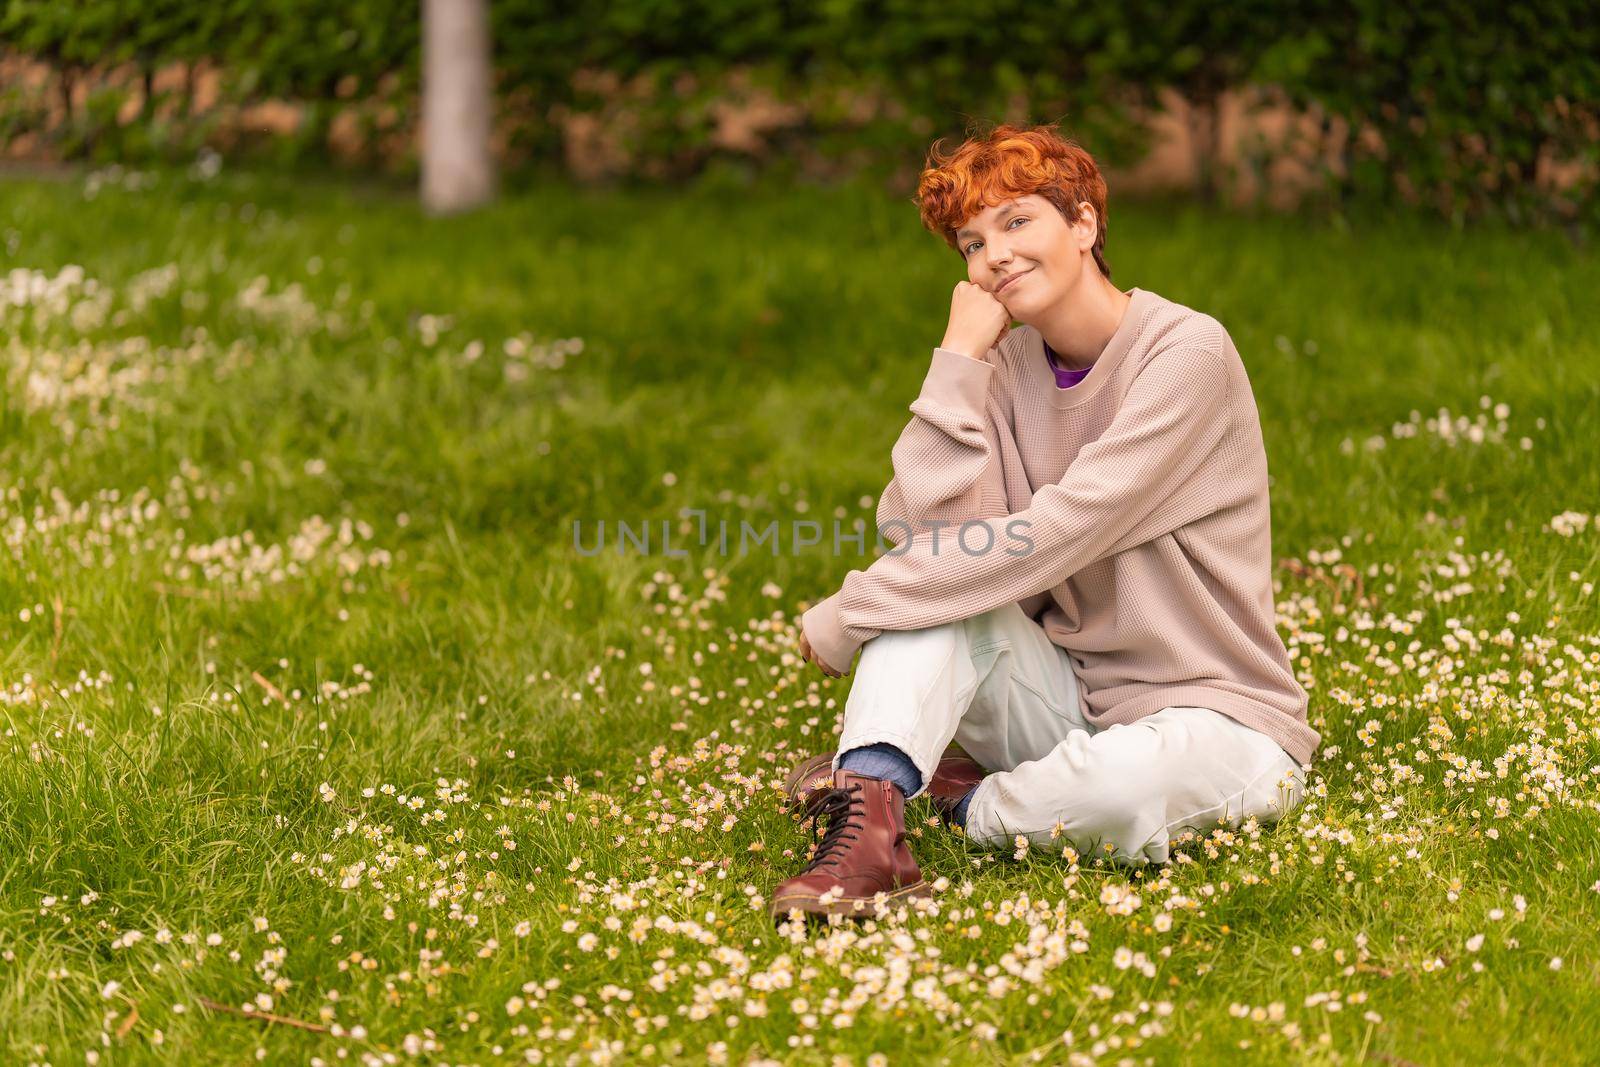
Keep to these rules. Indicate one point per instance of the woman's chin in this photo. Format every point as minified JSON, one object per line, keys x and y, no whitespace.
{"x":1019,"y":314}
{"x":1026,"y":308}
{"x":1018,"y":304}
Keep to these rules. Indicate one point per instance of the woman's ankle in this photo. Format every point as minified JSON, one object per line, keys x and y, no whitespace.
{"x":883,"y":760}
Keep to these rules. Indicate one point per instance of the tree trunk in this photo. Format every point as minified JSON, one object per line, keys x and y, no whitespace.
{"x":457,"y":104}
{"x":1205,"y":141}
{"x":66,"y":84}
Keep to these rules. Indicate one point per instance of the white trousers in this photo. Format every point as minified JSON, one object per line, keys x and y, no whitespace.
{"x":998,"y":687}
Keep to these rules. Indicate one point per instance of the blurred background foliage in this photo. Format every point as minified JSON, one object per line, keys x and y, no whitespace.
{"x":1466,"y":107}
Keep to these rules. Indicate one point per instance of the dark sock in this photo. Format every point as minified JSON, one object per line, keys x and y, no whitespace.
{"x":883,"y":760}
{"x":959,"y":817}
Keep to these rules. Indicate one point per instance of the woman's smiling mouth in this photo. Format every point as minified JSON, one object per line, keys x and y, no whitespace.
{"x":1011,"y":278}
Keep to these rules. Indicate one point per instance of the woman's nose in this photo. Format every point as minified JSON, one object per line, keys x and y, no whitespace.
{"x":998,"y":256}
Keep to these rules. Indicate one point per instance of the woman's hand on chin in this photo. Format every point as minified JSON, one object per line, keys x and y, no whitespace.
{"x":978,"y":321}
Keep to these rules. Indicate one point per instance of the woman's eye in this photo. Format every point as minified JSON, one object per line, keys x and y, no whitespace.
{"x":968,"y":250}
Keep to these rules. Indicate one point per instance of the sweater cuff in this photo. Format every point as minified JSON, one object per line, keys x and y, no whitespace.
{"x":825,"y":632}
{"x":957,"y":381}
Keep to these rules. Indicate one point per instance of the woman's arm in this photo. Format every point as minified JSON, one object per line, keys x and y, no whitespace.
{"x":947,"y":459}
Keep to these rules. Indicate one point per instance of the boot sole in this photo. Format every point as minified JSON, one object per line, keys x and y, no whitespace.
{"x":863,"y":907}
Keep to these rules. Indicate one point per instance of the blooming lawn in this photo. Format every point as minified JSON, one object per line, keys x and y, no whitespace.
{"x":325,"y":742}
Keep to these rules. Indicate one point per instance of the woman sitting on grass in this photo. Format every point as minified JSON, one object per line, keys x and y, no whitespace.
{"x":1080,"y":592}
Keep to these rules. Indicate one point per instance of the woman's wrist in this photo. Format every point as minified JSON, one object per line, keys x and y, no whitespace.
{"x":964,"y":347}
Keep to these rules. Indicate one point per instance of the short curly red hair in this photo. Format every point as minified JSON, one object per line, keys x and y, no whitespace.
{"x":1010,"y":161}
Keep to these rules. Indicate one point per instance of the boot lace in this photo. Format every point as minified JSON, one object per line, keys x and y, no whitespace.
{"x":845,"y":809}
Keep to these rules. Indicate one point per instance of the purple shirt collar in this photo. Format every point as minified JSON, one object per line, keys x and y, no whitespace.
{"x":1066,"y":377}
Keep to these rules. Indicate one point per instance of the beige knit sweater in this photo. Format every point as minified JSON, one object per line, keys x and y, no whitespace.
{"x":1131,"y":509}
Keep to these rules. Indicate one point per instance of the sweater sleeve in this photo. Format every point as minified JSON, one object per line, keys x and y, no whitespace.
{"x":1134,"y":483}
{"x":946,"y":461}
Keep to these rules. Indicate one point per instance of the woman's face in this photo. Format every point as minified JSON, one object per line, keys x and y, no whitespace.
{"x":1025,"y":254}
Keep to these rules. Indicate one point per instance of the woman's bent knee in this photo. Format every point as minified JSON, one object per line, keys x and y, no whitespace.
{"x":914,"y":642}
{"x":1006,"y":619}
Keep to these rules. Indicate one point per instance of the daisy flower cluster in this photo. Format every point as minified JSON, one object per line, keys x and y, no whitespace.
{"x":1490,"y":425}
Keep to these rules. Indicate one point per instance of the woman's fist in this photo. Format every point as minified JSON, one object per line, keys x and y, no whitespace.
{"x":978,"y":321}
{"x":810,"y":656}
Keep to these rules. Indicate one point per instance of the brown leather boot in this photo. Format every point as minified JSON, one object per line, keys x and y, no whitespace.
{"x":955,"y":777}
{"x":862,"y":854}
{"x":813,"y":773}
{"x":957,"y":772}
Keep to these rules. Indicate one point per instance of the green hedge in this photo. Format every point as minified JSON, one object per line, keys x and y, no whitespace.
{"x":1464,"y":95}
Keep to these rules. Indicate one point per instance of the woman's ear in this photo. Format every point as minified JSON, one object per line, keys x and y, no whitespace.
{"x":1087,"y":226}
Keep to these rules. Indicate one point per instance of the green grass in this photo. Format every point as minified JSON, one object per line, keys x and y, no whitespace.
{"x":307,"y":694}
